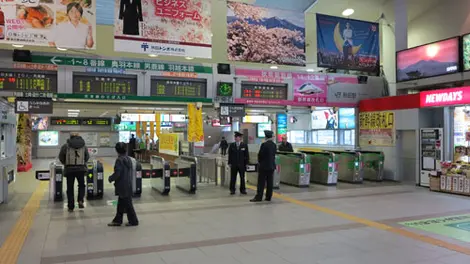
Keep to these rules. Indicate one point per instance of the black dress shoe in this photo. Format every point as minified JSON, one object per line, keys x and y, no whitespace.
{"x":114,"y":224}
{"x":268,"y":200}
{"x":244,"y":193}
{"x":255,"y":200}
{"x":81,"y":205}
{"x":70,"y":210}
{"x":232,"y":193}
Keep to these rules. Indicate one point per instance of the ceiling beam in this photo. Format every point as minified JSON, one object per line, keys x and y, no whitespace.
{"x":311,"y":6}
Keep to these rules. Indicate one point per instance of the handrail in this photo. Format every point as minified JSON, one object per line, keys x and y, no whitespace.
{"x":157,"y":159}
{"x":188,"y":158}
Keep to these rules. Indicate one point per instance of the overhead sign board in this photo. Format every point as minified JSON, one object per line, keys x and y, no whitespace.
{"x":176,"y":87}
{"x":67,"y":121}
{"x":102,"y":84}
{"x":445,"y":97}
{"x":21,"y":81}
{"x":232,"y":110}
{"x":33,"y":106}
{"x":267,"y":91}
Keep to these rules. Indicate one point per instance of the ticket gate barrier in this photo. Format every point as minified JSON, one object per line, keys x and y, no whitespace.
{"x":186,"y":173}
{"x":372,"y":163}
{"x":207,"y":168}
{"x":293,"y":168}
{"x":323,"y":167}
{"x":94,"y":180}
{"x":160,"y":175}
{"x":349,"y":167}
{"x":55,"y":176}
{"x":136,"y":175}
{"x":223,"y":172}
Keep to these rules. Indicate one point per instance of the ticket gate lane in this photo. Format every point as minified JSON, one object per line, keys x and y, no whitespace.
{"x":349,"y":167}
{"x":323,"y":167}
{"x":160,"y":174}
{"x":186,"y":173}
{"x":372,"y":163}
{"x":94,"y":180}
{"x":293,"y":169}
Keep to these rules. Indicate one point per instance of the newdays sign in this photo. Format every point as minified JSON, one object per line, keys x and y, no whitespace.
{"x":454,"y":96}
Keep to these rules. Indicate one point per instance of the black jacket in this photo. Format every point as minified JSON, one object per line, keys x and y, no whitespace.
{"x":238,"y":156}
{"x":122,"y":176}
{"x":267,"y":156}
{"x":75,"y":143}
{"x":223,"y":144}
{"x":286,"y":147}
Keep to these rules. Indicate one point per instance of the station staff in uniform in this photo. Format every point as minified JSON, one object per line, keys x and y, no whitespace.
{"x":238,"y":157}
{"x":266,"y":167}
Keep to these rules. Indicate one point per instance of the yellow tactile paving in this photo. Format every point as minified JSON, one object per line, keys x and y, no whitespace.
{"x":12,"y":246}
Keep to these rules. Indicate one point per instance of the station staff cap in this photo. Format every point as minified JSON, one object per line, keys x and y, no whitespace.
{"x":268,"y":133}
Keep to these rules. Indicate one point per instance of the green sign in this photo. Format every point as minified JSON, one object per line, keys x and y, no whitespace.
{"x":119,"y":64}
{"x":133,"y":98}
{"x":456,"y":226}
{"x":224,"y":89}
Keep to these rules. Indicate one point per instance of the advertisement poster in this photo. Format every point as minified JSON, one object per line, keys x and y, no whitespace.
{"x":347,"y":118}
{"x":169,"y":144}
{"x":377,"y":129}
{"x":350,"y":44}
{"x":466,"y":52}
{"x":257,"y":34}
{"x":281,"y":126}
{"x":69,"y":24}
{"x":91,"y":138}
{"x":105,"y":140}
{"x":310,"y":89}
{"x":195,"y":124}
{"x":325,"y":119}
{"x":163,"y":27}
{"x":48,"y":138}
{"x":429,"y":60}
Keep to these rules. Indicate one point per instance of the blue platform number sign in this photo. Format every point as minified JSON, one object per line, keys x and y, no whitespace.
{"x":281,"y":126}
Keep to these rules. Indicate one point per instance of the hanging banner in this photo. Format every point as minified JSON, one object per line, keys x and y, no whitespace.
{"x":158,"y":124}
{"x":144,"y":130}
{"x":63,"y":24}
{"x":161,"y":27}
{"x":377,"y":129}
{"x":195,"y":124}
{"x":310,"y":89}
{"x":344,"y":43}
{"x":152,"y":130}
{"x":257,"y":34}
{"x":138,"y":130}
{"x":169,"y":144}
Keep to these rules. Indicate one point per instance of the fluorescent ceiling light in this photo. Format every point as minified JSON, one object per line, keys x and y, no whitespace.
{"x":74,"y":110}
{"x":153,"y":55}
{"x":348,"y":12}
{"x":17,"y":45}
{"x":310,"y":70}
{"x":274,"y":67}
{"x":189,"y":58}
{"x":61,"y":49}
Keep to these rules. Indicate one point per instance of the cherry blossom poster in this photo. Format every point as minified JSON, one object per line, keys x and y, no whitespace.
{"x":262,"y":35}
{"x":163,"y":27}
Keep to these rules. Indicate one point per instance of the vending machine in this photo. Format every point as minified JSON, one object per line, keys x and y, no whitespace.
{"x":431,"y":153}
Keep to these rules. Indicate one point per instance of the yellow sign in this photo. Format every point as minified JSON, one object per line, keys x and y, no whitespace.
{"x":152,"y":130}
{"x":169,"y":144}
{"x":377,"y":120}
{"x":195,"y":124}
{"x":158,"y":124}
{"x":138,"y":130}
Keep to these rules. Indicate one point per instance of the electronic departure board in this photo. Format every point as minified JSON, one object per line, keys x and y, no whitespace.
{"x":31,"y":81}
{"x":178,"y":87}
{"x":67,"y":121}
{"x":86,"y":83}
{"x":264,"y":91}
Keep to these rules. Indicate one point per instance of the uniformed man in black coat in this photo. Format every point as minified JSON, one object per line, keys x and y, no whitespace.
{"x":266,"y":167}
{"x":238,"y":157}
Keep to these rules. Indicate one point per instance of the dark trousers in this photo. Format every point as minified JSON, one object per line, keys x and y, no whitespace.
{"x":233,"y":179}
{"x":125,"y":205}
{"x":71,"y":176}
{"x":265,"y":177}
{"x":223,"y":151}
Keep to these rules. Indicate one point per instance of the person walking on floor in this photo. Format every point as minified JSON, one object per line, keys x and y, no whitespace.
{"x":238,"y":157}
{"x":266,"y":167}
{"x":74,"y":156}
{"x":223,"y":146}
{"x":131,"y":146}
{"x":123,"y":187}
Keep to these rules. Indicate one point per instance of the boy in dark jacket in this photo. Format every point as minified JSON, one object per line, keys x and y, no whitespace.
{"x":123,"y":187}
{"x":74,"y":156}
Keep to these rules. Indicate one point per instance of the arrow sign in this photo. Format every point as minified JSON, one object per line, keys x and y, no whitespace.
{"x":54,"y":60}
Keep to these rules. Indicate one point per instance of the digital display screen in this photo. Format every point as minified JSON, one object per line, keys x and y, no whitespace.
{"x":430,"y":60}
{"x":67,"y":121}
{"x":194,"y":88}
{"x":264,"y":91}
{"x":85,"y":83}
{"x":466,"y":52}
{"x":261,"y":128}
{"x":347,"y":118}
{"x":325,"y":119}
{"x":39,"y":123}
{"x":255,"y":119}
{"x":224,"y":89}
{"x":48,"y":138}
{"x":28,"y":81}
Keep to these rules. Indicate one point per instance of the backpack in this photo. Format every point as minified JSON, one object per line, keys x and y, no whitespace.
{"x":75,"y":157}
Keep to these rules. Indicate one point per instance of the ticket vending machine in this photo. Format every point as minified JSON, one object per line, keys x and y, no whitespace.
{"x":136,"y":178}
{"x":94,"y":180}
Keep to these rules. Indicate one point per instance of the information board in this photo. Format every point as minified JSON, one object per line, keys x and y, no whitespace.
{"x":11,"y":80}
{"x":178,"y":87}
{"x":264,"y":91}
{"x":104,"y":84}
{"x":67,"y":121}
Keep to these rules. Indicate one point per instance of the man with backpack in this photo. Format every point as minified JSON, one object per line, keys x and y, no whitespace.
{"x":74,"y":156}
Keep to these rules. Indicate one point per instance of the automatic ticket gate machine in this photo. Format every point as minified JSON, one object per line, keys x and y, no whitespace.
{"x":55,"y":176}
{"x":251,"y":174}
{"x":372,"y":164}
{"x":349,"y":166}
{"x":292,"y":169}
{"x":94,"y":180}
{"x":160,"y":175}
{"x":136,"y":175}
{"x":186,"y":173}
{"x":323,"y":167}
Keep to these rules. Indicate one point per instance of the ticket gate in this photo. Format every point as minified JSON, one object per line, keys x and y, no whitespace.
{"x":94,"y":180}
{"x":349,"y":167}
{"x":293,"y":169}
{"x":223,"y":172}
{"x":55,"y":176}
{"x":372,"y":163}
{"x":186,"y":173}
{"x":136,"y":175}
{"x":160,"y":175}
{"x":323,"y":167}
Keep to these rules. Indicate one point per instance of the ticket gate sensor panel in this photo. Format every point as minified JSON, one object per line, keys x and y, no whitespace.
{"x":94,"y":180}
{"x":136,"y":177}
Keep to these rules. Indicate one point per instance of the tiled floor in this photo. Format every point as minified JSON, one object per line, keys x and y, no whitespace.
{"x":320,"y":225}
